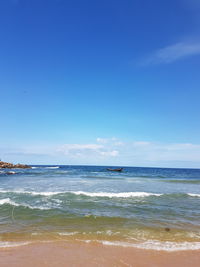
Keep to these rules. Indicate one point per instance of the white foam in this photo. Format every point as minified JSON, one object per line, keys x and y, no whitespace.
{"x":157,"y":245}
{"x":8,"y":201}
{"x":35,"y":207}
{"x":193,"y":195}
{"x":68,"y":233}
{"x":119,"y":195}
{"x":89,"y":194}
{"x":34,"y":193}
{"x":35,"y":234}
{"x":41,"y":193}
{"x":92,"y":194}
{"x":49,"y":167}
{"x":107,"y":232}
{"x":12,"y":244}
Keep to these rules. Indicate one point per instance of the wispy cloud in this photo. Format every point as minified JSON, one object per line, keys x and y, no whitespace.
{"x":173,"y":53}
{"x":109,"y":141}
{"x":70,"y":147}
{"x":141,"y":143}
{"x":111,"y":152}
{"x":88,"y":151}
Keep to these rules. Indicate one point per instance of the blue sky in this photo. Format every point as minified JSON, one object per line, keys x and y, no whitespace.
{"x":100,"y":82}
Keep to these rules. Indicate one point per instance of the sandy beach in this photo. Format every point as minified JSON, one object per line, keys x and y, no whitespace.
{"x":56,"y":254}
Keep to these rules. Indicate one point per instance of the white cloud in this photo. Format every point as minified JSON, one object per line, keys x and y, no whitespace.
{"x":173,"y":53}
{"x":68,"y":147}
{"x":102,"y":140}
{"x":186,"y":146}
{"x":161,"y":152}
{"x":133,"y":153}
{"x":141,"y":143}
{"x":136,"y":153}
{"x":106,"y":140}
{"x":77,"y":150}
{"x":112,"y":153}
{"x":89,"y":151}
{"x":110,"y":141}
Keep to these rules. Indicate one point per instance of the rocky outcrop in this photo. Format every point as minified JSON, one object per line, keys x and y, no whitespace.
{"x":6,"y":165}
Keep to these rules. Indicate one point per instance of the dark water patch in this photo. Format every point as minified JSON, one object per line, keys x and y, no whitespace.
{"x":102,"y":177}
{"x":186,"y":181}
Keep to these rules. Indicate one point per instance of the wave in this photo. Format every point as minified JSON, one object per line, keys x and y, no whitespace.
{"x":8,"y":201}
{"x":7,"y":172}
{"x":34,"y":193}
{"x":13,"y":244}
{"x":156,"y":245}
{"x":49,"y":167}
{"x":68,"y":233}
{"x":193,"y":195}
{"x":119,"y":195}
{"x":89,"y":194}
{"x":100,"y":194}
{"x":148,"y":245}
{"x":41,"y":193}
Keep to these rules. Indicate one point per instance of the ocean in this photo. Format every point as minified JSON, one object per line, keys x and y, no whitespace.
{"x":150,"y":208}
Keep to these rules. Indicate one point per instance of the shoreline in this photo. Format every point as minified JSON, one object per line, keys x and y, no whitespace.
{"x":74,"y":253}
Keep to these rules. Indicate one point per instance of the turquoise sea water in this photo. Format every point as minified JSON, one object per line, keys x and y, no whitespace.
{"x":143,"y":207}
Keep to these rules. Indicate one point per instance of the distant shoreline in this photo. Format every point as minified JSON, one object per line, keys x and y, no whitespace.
{"x":112,"y":166}
{"x":7,"y":165}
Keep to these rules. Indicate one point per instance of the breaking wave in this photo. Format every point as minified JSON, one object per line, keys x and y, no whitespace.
{"x":193,"y":195}
{"x":99,"y":194}
{"x":89,"y":194}
{"x":42,"y":167}
{"x":157,"y":245}
{"x":120,"y":195}
{"x":12,"y":244}
{"x":8,"y":201}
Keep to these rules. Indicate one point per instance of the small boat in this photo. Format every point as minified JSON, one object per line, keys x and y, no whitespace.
{"x":115,"y":170}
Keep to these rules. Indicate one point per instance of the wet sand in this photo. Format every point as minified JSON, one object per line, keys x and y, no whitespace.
{"x":58,"y":254}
